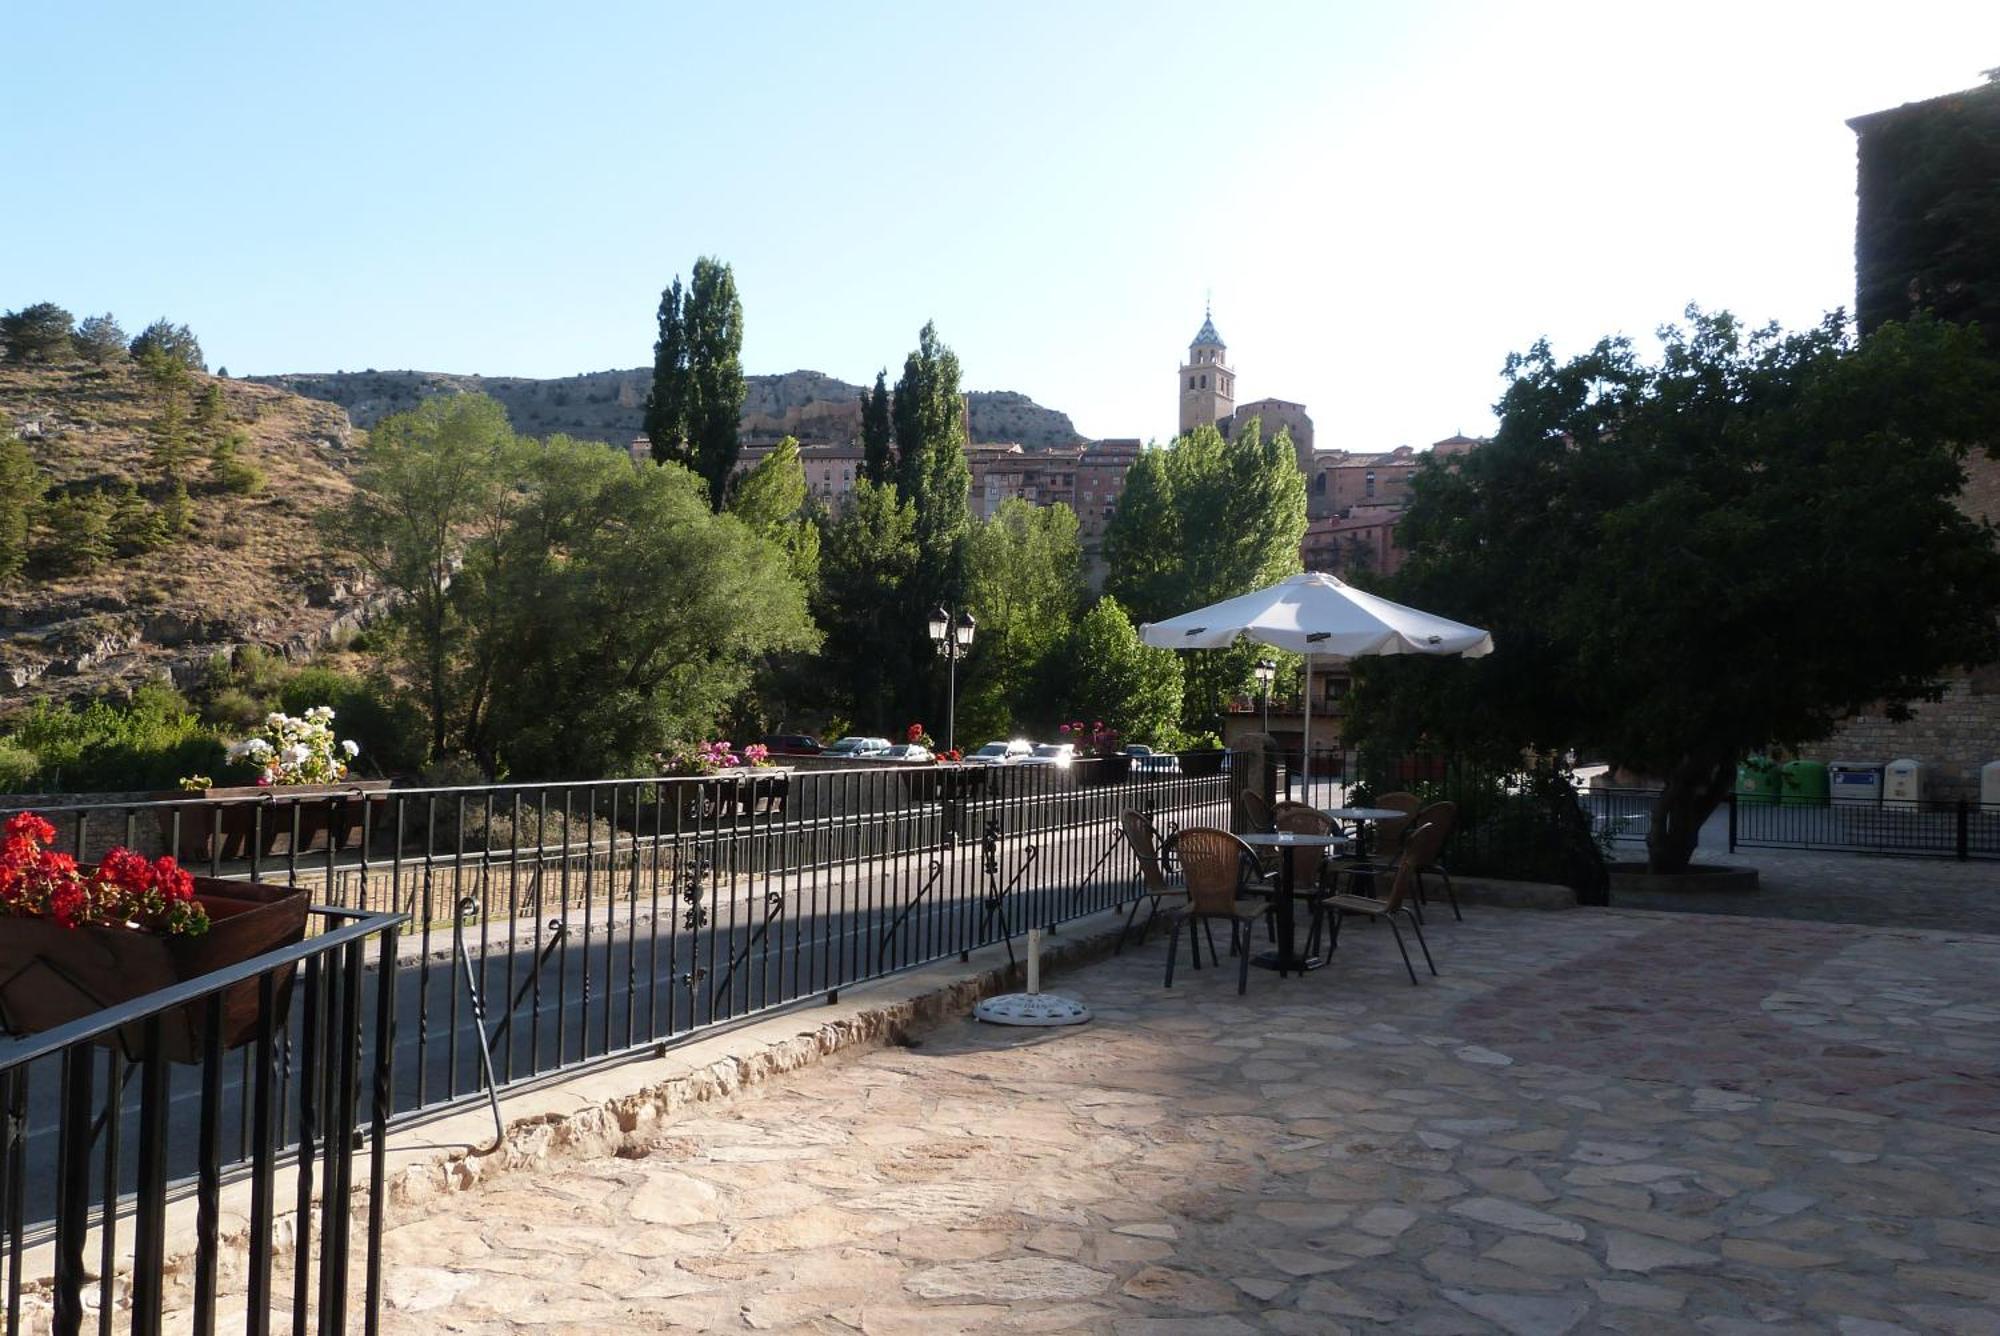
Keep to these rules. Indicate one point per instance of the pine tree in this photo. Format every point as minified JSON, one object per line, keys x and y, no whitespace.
{"x":931,"y":469}
{"x":172,"y":447}
{"x":176,"y":513}
{"x":227,"y":467}
{"x":211,"y":414}
{"x":169,"y":340}
{"x":696,"y":406}
{"x":76,"y":535}
{"x":136,"y":526}
{"x":100,"y":340}
{"x":39,"y":333}
{"x":21,"y":488}
{"x":877,"y":431}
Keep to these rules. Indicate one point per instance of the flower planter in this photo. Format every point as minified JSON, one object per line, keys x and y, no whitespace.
{"x":51,"y":975}
{"x":1096,"y":770}
{"x":729,"y":794}
{"x":944,"y":783}
{"x":230,"y":829}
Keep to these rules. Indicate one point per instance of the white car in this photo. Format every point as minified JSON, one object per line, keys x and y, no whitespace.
{"x":1003,"y":753}
{"x":875,"y":747}
{"x":1146,"y":761}
{"x":908,"y":751}
{"x":1059,"y":754}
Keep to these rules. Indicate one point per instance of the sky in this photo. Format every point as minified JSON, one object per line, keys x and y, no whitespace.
{"x":1382,"y":199}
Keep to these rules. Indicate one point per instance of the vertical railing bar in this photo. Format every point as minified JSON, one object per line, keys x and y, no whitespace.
{"x":208,"y":1152}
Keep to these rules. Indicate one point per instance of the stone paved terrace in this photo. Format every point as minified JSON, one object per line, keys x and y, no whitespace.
{"x":1593,"y":1121}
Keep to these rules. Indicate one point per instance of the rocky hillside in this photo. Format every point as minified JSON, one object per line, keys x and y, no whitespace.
{"x":252,"y":569}
{"x":610,"y":405}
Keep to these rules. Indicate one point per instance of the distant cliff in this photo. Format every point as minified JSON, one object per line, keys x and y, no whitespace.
{"x":610,"y":405}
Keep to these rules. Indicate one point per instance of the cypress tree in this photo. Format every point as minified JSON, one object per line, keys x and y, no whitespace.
{"x":696,"y":406}
{"x":21,"y":488}
{"x":877,"y":430}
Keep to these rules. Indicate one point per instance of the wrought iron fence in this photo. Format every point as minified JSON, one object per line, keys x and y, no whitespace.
{"x":556,"y":926}
{"x":1958,"y":828}
{"x":115,"y":1147}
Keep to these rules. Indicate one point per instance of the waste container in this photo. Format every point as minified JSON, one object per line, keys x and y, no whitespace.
{"x":1803,"y":784}
{"x":1757,"y":781}
{"x":1989,"y":786}
{"x":1903,"y":782}
{"x":1854,"y":781}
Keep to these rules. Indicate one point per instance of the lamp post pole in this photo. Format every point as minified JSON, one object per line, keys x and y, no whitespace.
{"x":1266,"y":670}
{"x":952,"y":637}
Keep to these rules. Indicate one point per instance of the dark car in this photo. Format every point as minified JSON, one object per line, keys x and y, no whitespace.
{"x":792,"y":744}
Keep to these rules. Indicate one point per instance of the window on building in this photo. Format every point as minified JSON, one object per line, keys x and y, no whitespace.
{"x":1190,"y":382}
{"x":1368,"y":483}
{"x":1204,"y":382}
{"x":1319,"y":484}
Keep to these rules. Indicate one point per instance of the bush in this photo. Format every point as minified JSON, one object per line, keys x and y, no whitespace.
{"x":145,"y":745}
{"x":18,"y":768}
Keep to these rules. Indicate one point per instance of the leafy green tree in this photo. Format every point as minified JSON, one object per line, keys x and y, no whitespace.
{"x":174,"y":342}
{"x":1206,"y":519}
{"x":428,"y":479}
{"x":76,"y":537}
{"x":21,"y":488}
{"x":100,"y":340}
{"x":696,"y":404}
{"x":868,"y":562}
{"x":878,"y":431}
{"x":135,"y":523}
{"x":1684,"y":561}
{"x":614,"y":612}
{"x":1024,"y":585}
{"x":39,"y":333}
{"x":1114,"y":677}
{"x":771,"y":499}
{"x":229,"y":469}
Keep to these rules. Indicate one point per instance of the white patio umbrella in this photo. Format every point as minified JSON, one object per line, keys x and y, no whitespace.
{"x":1317,"y":614}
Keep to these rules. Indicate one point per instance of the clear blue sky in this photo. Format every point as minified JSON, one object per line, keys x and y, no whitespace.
{"x":1384,"y":198}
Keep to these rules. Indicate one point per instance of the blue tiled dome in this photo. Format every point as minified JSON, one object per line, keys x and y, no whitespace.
{"x":1207,"y":338}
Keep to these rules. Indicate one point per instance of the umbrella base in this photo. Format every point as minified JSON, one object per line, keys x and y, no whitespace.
{"x":1269,"y":960}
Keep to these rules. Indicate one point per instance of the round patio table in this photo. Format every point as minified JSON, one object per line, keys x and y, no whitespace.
{"x":1285,"y":959}
{"x":1359,"y":816}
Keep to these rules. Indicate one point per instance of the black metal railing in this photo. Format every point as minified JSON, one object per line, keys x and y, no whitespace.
{"x":114,"y":1155}
{"x":556,"y":926}
{"x":1935,"y":828}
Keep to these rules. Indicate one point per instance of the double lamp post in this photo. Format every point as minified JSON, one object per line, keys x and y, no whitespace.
{"x":952,"y":637}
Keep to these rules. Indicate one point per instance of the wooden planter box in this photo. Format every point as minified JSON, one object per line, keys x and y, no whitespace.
{"x":51,"y":975}
{"x":730,"y":794}
{"x":230,"y":830}
{"x":1096,"y":770}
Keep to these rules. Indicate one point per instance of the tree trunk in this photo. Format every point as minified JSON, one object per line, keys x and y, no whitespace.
{"x":1694,"y":789}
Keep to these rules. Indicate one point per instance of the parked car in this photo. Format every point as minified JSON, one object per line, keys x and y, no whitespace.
{"x":1146,"y":761}
{"x":1059,"y":754}
{"x":909,"y":751}
{"x":857,"y":746}
{"x":1002,"y":753}
{"x":792,"y":744}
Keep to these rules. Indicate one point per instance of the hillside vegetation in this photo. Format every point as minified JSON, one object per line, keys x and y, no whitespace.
{"x":250,"y":568}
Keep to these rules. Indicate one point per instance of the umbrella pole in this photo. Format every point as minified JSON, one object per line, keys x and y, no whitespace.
{"x":1306,"y":747}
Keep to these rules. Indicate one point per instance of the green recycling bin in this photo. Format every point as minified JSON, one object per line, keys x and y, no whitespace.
{"x":1757,"y":781}
{"x":1804,"y":784}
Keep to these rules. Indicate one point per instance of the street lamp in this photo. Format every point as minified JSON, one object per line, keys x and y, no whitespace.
{"x":952,"y":636}
{"x":1266,"y":670}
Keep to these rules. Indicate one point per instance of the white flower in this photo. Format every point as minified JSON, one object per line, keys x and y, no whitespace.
{"x":351,"y":747}
{"x":275,"y":719}
{"x":292,"y":755}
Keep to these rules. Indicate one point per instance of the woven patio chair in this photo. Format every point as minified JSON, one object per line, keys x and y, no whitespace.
{"x":1443,"y":815}
{"x":1419,"y":848}
{"x":1151,"y":881}
{"x":1216,"y":868}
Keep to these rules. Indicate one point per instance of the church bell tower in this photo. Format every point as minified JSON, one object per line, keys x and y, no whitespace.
{"x":1208,"y":386}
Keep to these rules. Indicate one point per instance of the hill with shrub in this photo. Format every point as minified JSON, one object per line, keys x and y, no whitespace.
{"x":153,"y":516}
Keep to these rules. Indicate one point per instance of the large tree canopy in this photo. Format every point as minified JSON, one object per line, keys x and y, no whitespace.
{"x":868,"y":563}
{"x":1203,"y":520}
{"x":1024,"y":585}
{"x":1683,"y":561}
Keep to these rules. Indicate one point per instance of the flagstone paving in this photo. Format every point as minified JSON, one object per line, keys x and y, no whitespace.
{"x":1592,"y":1121}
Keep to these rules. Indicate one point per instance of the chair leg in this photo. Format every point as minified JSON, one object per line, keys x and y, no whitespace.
{"x":1173,"y":950}
{"x":1450,"y":894}
{"x":1194,"y":941}
{"x":1333,"y":942}
{"x":1238,"y":928}
{"x":1426,"y":946}
{"x":1404,"y":949}
{"x":1208,"y":931}
{"x":1126,"y":931}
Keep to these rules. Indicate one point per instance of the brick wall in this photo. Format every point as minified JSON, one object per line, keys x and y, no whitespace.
{"x":1953,"y":737}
